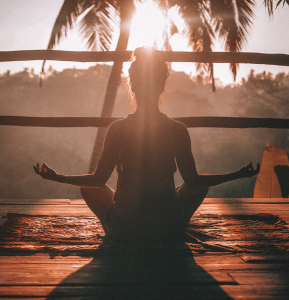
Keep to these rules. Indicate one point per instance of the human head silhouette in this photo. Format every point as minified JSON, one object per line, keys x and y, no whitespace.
{"x":148,"y":73}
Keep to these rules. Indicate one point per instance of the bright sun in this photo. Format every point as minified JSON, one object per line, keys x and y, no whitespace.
{"x":148,"y":26}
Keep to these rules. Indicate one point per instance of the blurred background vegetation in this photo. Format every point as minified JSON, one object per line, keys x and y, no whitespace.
{"x":72,"y":93}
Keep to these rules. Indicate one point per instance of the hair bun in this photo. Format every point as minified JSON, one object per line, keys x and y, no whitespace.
{"x":144,"y":52}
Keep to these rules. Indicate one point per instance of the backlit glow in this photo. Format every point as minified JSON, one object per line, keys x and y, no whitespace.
{"x":148,"y":26}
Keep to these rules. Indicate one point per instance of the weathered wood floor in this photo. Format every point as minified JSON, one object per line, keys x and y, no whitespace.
{"x":211,"y":275}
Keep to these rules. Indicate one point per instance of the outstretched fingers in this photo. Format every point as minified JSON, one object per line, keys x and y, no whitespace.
{"x":36,"y":168}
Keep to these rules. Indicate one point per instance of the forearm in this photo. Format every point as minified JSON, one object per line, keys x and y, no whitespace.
{"x":88,"y":180}
{"x":212,"y":180}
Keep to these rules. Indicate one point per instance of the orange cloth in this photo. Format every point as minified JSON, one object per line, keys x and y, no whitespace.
{"x":267,"y":184}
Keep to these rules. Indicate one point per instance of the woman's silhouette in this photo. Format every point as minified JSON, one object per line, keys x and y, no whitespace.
{"x":146,"y":147}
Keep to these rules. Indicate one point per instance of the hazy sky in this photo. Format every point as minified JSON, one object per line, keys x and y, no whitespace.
{"x":26,"y":25}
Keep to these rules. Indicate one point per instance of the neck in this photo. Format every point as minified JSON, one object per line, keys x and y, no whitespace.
{"x":147,"y":104}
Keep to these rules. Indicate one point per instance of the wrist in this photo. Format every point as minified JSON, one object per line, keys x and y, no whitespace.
{"x":56,"y":177}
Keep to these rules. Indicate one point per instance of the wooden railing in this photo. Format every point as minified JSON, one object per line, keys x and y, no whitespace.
{"x":171,"y":56}
{"x":190,"y":122}
{"x":85,"y":56}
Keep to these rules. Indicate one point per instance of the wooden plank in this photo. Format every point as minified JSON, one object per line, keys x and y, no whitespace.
{"x":86,"y":291}
{"x":77,"y":202}
{"x":67,"y":210}
{"x":246,"y":200}
{"x":199,"y":259}
{"x":153,"y":293}
{"x":206,"y":201}
{"x":232,"y":211}
{"x":58,"y":291}
{"x":214,"y":201}
{"x":255,"y":291}
{"x":110,"y":276}
{"x":264,"y":278}
{"x":34,"y":201}
{"x":266,"y":258}
{"x":247,"y":206}
{"x":41,"y":258}
{"x":79,"y":209}
{"x":73,"y":266}
{"x":190,"y":294}
{"x":215,"y":259}
{"x":261,"y":267}
{"x":170,"y":56}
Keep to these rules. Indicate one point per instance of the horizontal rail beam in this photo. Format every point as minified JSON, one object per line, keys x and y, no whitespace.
{"x":171,"y":56}
{"x":190,"y":122}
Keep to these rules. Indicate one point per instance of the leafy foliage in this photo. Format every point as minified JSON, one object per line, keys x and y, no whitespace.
{"x":269,"y":5}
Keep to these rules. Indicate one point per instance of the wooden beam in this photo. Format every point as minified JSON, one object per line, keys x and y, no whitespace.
{"x":190,"y":122}
{"x":171,"y":56}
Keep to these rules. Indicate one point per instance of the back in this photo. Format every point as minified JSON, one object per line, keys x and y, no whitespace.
{"x":146,"y":204}
{"x":146,"y":162}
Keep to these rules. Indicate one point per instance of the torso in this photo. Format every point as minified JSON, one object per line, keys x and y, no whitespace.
{"x":146,"y":162}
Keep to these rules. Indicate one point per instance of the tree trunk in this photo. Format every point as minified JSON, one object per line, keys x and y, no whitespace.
{"x":126,"y":12}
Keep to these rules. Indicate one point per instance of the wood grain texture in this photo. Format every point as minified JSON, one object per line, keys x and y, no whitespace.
{"x":221,"y":276}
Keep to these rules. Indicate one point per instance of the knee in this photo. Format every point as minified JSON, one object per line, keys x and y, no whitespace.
{"x":103,"y":194}
{"x":202,"y":191}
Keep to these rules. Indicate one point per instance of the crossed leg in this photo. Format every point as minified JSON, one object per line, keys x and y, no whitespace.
{"x":99,"y":200}
{"x":191,"y":199}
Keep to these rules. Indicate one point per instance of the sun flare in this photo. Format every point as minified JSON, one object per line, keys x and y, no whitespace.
{"x":148,"y":26}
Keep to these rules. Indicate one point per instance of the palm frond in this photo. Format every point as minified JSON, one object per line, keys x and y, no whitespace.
{"x":97,"y":27}
{"x":196,"y":14}
{"x":284,"y":1}
{"x":233,"y":20}
{"x":208,"y":36}
{"x":68,"y":14}
{"x":269,"y":6}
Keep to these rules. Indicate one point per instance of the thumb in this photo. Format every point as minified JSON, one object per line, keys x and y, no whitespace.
{"x":44,"y":168}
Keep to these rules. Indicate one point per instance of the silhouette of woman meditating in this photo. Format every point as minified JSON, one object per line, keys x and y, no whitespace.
{"x":145,"y":147}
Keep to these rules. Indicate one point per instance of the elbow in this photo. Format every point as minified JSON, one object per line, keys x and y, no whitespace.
{"x":192,"y":182}
{"x":98,"y":181}
{"x":196,"y":182}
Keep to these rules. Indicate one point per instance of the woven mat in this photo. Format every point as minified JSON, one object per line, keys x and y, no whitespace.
{"x":262,"y":232}
{"x":240,"y":233}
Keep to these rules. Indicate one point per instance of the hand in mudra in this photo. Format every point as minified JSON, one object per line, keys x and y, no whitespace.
{"x":249,"y":171}
{"x":45,"y":172}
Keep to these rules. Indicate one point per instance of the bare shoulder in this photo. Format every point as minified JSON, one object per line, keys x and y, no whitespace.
{"x":115,"y":126}
{"x":178,"y":128}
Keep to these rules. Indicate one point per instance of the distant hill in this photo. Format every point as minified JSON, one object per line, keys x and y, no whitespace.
{"x":75,"y":92}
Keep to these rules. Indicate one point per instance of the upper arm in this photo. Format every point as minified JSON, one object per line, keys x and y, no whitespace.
{"x":109,"y":155}
{"x":184,"y":157}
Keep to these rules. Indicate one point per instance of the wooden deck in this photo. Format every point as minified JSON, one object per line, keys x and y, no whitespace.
{"x":211,"y":275}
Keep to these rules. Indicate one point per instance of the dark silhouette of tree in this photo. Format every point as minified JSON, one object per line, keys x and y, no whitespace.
{"x":97,"y":26}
